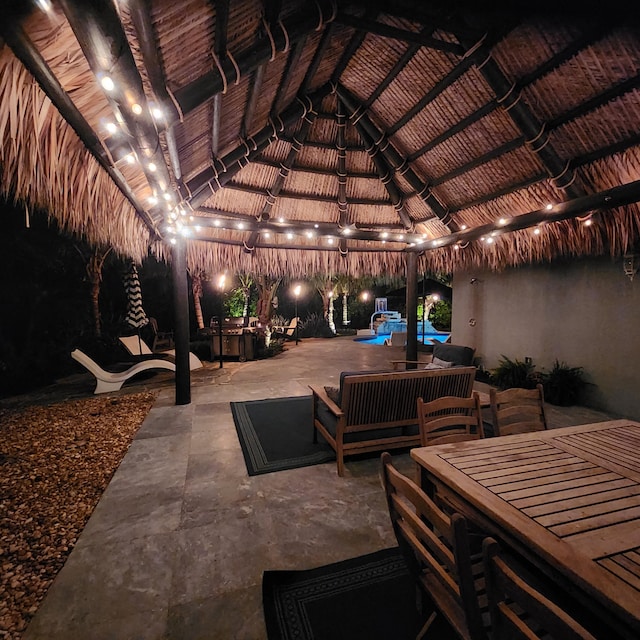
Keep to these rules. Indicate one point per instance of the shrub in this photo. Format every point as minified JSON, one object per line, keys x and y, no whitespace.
{"x":514,"y":373}
{"x":563,"y":385}
{"x":315,"y":326}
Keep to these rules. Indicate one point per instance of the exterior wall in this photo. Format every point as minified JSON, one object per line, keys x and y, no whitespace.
{"x":585,"y":313}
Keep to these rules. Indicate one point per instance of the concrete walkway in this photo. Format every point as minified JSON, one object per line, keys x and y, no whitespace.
{"x":176,"y":547}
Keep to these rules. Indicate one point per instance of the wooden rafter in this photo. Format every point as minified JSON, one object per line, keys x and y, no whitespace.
{"x":141,"y":17}
{"x":394,"y":159}
{"x":252,"y":100}
{"x":214,"y":81}
{"x":31,"y":58}
{"x":291,"y":66}
{"x":387,"y":31}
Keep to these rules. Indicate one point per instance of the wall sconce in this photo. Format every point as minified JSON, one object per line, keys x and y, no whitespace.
{"x":631,"y":264}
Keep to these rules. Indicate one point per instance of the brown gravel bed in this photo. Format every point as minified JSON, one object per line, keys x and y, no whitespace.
{"x":55,"y":463}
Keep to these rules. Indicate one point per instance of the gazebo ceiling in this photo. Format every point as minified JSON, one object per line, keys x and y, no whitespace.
{"x":295,"y":137}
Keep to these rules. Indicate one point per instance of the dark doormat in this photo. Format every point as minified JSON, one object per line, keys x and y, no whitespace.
{"x":277,"y":434}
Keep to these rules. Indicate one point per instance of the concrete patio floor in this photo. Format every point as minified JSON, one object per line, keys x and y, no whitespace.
{"x":177,"y":544}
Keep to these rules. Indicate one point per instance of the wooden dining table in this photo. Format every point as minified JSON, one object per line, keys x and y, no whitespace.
{"x":567,"y":499}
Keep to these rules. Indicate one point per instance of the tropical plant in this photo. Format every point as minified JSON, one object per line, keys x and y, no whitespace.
{"x":315,"y":326}
{"x":563,"y":385}
{"x":514,"y":373}
{"x":440,"y":315}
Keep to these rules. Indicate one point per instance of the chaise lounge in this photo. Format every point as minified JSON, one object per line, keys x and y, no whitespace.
{"x":113,"y":380}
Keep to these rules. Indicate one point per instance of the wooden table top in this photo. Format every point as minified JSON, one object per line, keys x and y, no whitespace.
{"x":570,"y":495}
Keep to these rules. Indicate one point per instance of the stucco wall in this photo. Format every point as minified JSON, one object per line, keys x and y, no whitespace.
{"x":584,"y":312}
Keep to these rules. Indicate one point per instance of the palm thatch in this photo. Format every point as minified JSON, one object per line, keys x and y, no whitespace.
{"x":334,"y":137}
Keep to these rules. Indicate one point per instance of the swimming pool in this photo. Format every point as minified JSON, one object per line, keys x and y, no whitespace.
{"x":381,"y":337}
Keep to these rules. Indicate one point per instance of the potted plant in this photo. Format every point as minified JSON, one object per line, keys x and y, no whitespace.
{"x":563,"y":385}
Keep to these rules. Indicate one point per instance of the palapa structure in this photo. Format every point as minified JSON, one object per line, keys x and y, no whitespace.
{"x":293,"y":137}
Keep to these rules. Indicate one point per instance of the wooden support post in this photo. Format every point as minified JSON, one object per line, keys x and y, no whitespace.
{"x":181,"y":332}
{"x":412,"y":307}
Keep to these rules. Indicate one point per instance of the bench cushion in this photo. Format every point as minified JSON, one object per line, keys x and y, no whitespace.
{"x":455,"y":353}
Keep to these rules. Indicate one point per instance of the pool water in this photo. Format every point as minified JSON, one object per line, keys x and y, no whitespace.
{"x":381,"y":337}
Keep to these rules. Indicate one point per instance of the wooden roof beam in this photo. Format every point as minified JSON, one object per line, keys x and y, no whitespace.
{"x":532,"y":129}
{"x":252,"y":100}
{"x":24,"y":49}
{"x":319,"y":230}
{"x":296,"y":26}
{"x":140,"y":13}
{"x":394,"y":159}
{"x":370,"y":202}
{"x":604,"y":200}
{"x":366,"y":175}
{"x":341,"y":146}
{"x":292,"y":63}
{"x":101,"y":36}
{"x":400,"y":64}
{"x":199,"y":188}
{"x":386,"y":177}
{"x":617,"y":147}
{"x":221,"y":8}
{"x":387,"y":31}
{"x":547,"y":67}
{"x":285,"y":168}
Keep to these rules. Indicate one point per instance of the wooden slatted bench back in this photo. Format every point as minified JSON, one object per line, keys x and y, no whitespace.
{"x":390,"y":399}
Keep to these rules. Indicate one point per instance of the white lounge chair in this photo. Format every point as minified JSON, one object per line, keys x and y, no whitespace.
{"x":138,"y":347}
{"x":396,"y":339}
{"x":112,"y":380}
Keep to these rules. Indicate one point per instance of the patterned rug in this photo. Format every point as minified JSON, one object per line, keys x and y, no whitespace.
{"x":277,"y":434}
{"x":371,"y":597}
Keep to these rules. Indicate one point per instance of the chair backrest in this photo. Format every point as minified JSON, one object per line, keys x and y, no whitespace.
{"x":517,"y":610}
{"x":135,"y":345}
{"x":450,"y":419}
{"x":458,"y":354}
{"x":436,"y":548}
{"x":517,"y":410}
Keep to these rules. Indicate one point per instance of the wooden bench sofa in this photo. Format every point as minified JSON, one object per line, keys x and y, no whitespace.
{"x":377,"y":411}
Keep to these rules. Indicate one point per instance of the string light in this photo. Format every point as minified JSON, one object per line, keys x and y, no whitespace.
{"x":111,"y":127}
{"x":136,"y":108}
{"x":152,"y":167}
{"x":107,"y":83}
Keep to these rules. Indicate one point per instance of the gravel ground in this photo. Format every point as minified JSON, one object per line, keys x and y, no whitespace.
{"x":55,"y":463}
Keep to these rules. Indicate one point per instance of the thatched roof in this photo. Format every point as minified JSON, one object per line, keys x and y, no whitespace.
{"x":298,"y":137}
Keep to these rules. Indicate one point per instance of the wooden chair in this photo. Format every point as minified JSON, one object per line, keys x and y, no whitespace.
{"x":517,"y":410}
{"x":436,"y":548}
{"x":450,"y":419}
{"x":161,"y":339}
{"x":516,"y":609}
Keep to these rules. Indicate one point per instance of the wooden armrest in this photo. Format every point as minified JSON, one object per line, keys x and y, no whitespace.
{"x":320,"y":393}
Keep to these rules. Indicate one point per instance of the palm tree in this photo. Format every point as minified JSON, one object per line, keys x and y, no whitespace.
{"x":343,"y":286}
{"x":324,"y":285}
{"x":267,"y":288}
{"x":94,"y":273}
{"x":196,"y":285}
{"x":246,"y":282}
